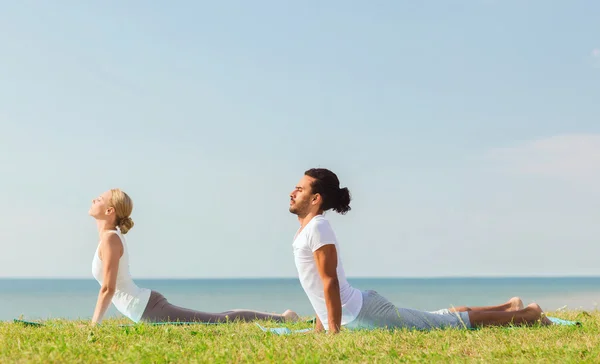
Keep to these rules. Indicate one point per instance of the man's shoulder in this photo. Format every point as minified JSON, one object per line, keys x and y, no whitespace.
{"x":322,"y":228}
{"x":319,"y":222}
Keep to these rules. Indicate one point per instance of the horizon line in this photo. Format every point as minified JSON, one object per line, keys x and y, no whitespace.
{"x":295,"y":278}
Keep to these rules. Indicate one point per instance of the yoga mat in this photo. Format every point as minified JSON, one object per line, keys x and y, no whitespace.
{"x":28,"y":323}
{"x":281,"y":330}
{"x":176,"y":323}
{"x":558,"y":321}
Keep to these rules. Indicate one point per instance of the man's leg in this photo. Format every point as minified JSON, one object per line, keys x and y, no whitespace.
{"x":514,"y":304}
{"x":529,"y":315}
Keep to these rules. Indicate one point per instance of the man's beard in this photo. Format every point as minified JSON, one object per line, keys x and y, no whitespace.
{"x":298,"y":208}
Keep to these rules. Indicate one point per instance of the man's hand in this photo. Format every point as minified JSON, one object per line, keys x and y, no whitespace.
{"x":319,"y":325}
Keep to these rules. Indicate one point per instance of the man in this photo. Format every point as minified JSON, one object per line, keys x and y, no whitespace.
{"x":337,"y":303}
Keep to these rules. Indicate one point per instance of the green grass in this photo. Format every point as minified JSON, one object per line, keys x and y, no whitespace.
{"x":74,"y":341}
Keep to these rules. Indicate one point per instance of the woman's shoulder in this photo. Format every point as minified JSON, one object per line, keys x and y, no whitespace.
{"x":111,"y":239}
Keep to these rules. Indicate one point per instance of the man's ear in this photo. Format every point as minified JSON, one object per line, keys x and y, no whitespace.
{"x":316,"y":198}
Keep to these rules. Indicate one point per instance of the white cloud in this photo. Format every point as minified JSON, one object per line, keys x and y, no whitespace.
{"x":572,"y":157}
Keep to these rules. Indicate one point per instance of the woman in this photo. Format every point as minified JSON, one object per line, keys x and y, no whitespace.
{"x":110,"y":268}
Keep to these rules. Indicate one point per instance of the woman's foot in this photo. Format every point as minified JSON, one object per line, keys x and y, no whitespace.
{"x":290,"y":316}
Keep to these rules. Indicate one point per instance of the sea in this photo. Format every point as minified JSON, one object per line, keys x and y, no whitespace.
{"x":39,"y":299}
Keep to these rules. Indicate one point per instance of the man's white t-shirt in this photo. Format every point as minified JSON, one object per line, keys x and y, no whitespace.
{"x":316,"y":234}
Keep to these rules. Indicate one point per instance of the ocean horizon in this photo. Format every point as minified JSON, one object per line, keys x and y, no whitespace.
{"x":75,"y":298}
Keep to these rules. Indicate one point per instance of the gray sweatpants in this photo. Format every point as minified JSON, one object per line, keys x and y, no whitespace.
{"x":159,"y":309}
{"x":378,"y":312}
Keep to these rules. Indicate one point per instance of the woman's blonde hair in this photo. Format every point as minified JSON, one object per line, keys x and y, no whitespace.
{"x":123,"y":207}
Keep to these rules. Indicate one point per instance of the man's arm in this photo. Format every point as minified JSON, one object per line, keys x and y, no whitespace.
{"x":326,"y":259}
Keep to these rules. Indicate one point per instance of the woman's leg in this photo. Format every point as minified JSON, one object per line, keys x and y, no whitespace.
{"x":514,"y":304}
{"x":160,"y":310}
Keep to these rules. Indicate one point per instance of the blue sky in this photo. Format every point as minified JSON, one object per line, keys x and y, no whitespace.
{"x":467,"y":131}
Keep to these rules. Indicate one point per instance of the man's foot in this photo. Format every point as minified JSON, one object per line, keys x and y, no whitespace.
{"x":290,"y":316}
{"x":516,"y":304}
{"x":539,"y":314}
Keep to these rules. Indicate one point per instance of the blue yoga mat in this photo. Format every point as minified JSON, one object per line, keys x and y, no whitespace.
{"x":28,"y":323}
{"x":281,"y":330}
{"x":558,"y":321}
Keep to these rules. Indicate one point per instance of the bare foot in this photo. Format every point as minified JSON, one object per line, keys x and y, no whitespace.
{"x":515,"y":304}
{"x":290,"y":316}
{"x":541,"y":316}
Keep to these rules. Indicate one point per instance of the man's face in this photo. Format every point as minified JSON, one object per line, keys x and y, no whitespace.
{"x":302,"y":198}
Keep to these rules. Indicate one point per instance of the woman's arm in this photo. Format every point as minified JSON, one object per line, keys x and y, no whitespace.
{"x":110,"y":252}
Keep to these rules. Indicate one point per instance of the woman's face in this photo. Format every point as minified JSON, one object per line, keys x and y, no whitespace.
{"x":101,"y":208}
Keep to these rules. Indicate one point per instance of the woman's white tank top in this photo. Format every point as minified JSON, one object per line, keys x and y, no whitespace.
{"x":129,"y":299}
